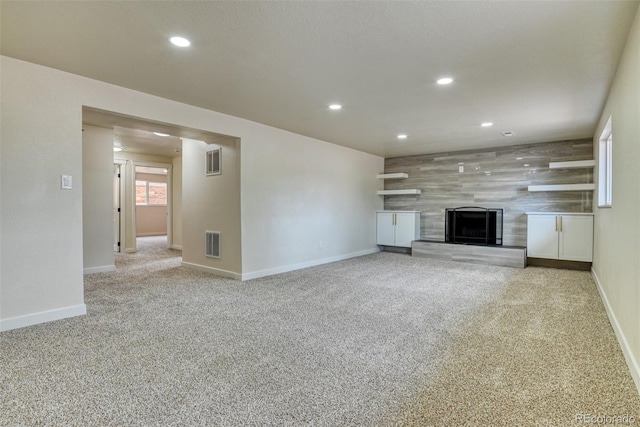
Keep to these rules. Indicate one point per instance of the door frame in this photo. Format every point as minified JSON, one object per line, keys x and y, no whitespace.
{"x":169,"y":168}
{"x":122,"y":164}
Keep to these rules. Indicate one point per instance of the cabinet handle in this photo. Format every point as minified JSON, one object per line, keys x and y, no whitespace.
{"x":556,"y":222}
{"x":395,"y":219}
{"x":560,"y":223}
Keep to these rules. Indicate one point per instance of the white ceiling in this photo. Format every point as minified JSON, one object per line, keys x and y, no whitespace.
{"x":541,"y":69}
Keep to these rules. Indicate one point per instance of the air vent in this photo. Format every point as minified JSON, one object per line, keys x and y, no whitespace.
{"x":507,"y":133}
{"x":213,"y":244}
{"x":213,"y":161}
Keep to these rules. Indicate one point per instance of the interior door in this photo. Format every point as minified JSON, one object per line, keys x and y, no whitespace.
{"x":116,"y":208}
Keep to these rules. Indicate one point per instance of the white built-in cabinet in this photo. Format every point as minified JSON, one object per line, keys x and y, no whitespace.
{"x":397,"y":228}
{"x":564,"y":236}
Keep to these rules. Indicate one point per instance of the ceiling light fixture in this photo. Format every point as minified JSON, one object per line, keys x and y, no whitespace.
{"x":507,"y":133}
{"x":444,"y":81}
{"x":116,"y":148}
{"x":402,"y":136}
{"x":486,"y":124}
{"x":161,"y":134}
{"x":180,"y":41}
{"x":335,"y":107}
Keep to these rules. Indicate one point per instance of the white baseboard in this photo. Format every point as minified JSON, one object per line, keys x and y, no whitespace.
{"x":101,"y":269}
{"x":152,"y":233}
{"x":42,"y":317}
{"x":215,"y":271}
{"x":634,"y":367}
{"x":178,"y":247}
{"x":291,"y":267}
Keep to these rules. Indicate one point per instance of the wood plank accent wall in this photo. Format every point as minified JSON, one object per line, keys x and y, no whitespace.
{"x":492,"y":178}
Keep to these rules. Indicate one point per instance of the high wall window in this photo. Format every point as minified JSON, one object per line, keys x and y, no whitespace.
{"x":151,"y":193}
{"x":605,"y":163}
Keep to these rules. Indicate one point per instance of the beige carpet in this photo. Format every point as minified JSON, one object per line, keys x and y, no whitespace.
{"x":384,"y":339}
{"x":543,"y":353}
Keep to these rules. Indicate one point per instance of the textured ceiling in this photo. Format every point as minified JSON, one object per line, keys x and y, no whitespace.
{"x":539,"y":69}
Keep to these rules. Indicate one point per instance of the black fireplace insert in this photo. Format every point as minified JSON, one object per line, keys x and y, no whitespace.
{"x":473,"y":225}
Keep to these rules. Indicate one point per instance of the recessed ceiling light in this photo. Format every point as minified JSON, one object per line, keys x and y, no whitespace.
{"x":402,"y":136}
{"x":335,"y":106}
{"x":180,"y":41}
{"x":526,"y":164}
{"x":507,"y":133}
{"x":518,"y":158}
{"x":116,"y":148}
{"x":486,"y":124}
{"x":444,"y":81}
{"x":161,"y":134}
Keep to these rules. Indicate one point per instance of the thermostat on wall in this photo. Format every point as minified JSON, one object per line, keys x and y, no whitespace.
{"x":65,"y":182}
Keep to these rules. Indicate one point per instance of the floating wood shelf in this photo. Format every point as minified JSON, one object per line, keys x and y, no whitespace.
{"x":397,"y":192}
{"x":573,"y":165}
{"x":393,"y":175}
{"x":563,"y":187}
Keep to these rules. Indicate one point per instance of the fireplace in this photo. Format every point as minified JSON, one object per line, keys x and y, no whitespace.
{"x":473,"y":225}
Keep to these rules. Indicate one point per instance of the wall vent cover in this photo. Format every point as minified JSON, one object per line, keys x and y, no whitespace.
{"x":213,"y":244}
{"x":213,"y":161}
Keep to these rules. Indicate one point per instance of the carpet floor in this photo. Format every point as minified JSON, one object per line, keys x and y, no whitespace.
{"x":383,"y":339}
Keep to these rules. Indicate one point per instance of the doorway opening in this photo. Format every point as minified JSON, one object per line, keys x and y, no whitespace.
{"x":153,"y":202}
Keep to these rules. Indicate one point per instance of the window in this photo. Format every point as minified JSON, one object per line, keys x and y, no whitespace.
{"x":151,"y":193}
{"x":605,"y":161}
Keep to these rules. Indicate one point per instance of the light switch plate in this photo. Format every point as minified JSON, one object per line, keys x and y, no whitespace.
{"x":66,"y":182}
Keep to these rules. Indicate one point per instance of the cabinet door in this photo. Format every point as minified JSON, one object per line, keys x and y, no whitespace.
{"x":405,"y":229}
{"x":542,"y":236}
{"x":385,"y":229}
{"x":576,"y":238}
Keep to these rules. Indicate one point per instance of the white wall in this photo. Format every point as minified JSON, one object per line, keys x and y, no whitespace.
{"x":305,"y":202}
{"x":616,"y":264}
{"x":176,"y":217}
{"x":41,"y":139}
{"x":211,"y":203}
{"x":41,"y":258}
{"x":97,"y":199}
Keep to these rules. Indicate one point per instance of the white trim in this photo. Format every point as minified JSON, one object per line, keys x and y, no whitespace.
{"x":312,"y":263}
{"x":212,"y":270}
{"x":42,"y":317}
{"x":177,"y":247}
{"x":632,"y":363}
{"x":100,"y":269}
{"x":152,"y":233}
